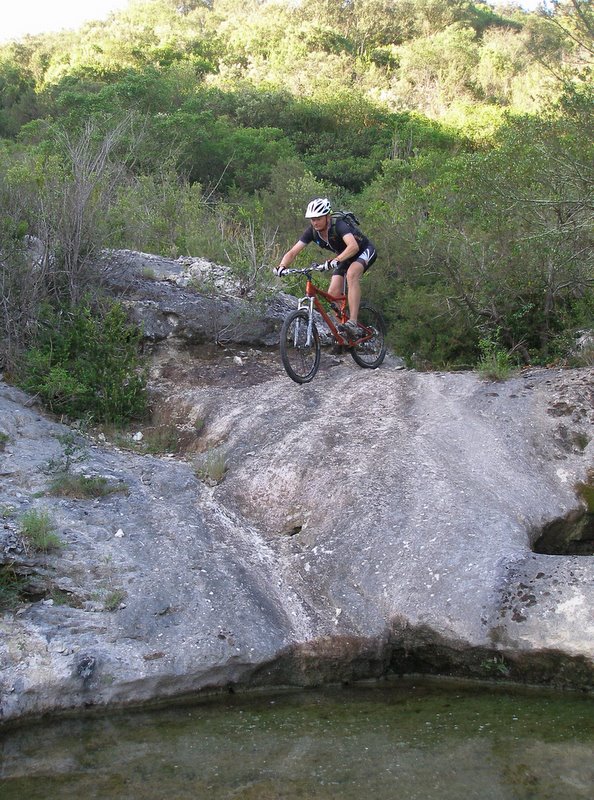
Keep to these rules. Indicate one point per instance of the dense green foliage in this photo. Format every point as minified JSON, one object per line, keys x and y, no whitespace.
{"x":85,"y":363}
{"x":462,"y":135}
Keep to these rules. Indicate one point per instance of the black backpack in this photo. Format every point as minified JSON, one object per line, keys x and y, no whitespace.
{"x":351,"y":220}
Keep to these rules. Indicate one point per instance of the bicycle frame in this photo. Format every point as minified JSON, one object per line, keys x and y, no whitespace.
{"x":337,"y":302}
{"x":300,"y":340}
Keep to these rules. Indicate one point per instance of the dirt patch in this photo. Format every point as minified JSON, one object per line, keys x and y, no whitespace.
{"x":224,"y":367}
{"x":213,"y":365}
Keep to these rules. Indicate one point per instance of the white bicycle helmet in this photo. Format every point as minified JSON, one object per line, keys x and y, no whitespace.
{"x":318,"y":208}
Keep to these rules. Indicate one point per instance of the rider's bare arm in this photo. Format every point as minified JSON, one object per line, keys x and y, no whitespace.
{"x":292,"y":254}
{"x":351,"y":248}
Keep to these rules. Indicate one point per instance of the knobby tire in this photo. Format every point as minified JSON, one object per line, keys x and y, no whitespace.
{"x":300,"y":360}
{"x":370,"y":353}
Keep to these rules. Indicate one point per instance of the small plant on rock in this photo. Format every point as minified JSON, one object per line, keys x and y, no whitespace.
{"x":38,"y":529}
{"x":72,"y":453}
{"x":7,"y":511}
{"x":84,"y":486}
{"x":162,"y":439}
{"x":63,"y":598}
{"x":495,"y":363}
{"x":113,"y":599}
{"x":11,"y":586}
{"x":212,"y":470}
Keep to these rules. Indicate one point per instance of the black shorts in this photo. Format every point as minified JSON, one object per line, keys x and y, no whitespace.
{"x":366,"y":257}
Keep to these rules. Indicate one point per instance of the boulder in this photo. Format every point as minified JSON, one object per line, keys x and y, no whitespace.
{"x":191,"y":301}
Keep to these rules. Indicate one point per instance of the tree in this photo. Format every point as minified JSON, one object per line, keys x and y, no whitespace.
{"x":18,"y":102}
{"x":562,"y":38}
{"x":437,"y":69}
{"x":55,"y":196}
{"x":514,"y":242}
{"x":74,"y":195}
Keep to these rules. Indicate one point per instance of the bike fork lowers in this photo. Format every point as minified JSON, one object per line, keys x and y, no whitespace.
{"x":305,"y":304}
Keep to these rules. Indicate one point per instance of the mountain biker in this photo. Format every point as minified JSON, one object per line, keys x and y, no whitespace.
{"x":355,"y":253}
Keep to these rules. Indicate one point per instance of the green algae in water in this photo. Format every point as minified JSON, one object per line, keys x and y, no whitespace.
{"x":422,"y":740}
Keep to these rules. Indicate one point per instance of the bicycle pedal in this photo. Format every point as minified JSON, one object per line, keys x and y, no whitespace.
{"x":347,"y":333}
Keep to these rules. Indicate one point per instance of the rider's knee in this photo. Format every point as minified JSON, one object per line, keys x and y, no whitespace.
{"x":355,"y":271}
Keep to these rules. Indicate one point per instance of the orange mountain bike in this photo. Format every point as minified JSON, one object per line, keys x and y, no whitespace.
{"x":299,"y":338}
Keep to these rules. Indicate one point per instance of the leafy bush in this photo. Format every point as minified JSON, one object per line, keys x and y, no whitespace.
{"x":495,"y":363}
{"x":156,"y":214}
{"x":86,"y":363}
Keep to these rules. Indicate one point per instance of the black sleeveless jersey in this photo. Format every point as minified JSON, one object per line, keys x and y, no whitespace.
{"x":338,"y":229}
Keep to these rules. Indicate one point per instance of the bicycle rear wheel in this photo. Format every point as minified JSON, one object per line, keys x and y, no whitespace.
{"x":301,"y":358}
{"x":371,"y":351}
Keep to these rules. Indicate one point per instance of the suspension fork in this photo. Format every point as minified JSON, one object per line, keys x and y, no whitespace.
{"x":306,"y":303}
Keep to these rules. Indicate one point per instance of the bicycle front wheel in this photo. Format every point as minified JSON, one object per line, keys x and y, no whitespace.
{"x":370,"y":350}
{"x":301,"y":358}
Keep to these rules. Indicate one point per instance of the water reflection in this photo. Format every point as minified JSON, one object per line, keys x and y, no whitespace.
{"x":413,"y":740}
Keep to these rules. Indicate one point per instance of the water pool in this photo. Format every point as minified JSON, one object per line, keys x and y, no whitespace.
{"x":420,"y":739}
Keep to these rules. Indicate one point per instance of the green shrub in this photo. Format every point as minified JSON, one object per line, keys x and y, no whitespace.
{"x":83,"y":486}
{"x":11,"y":586}
{"x":38,"y":529}
{"x":113,"y":599}
{"x":422,"y":329}
{"x":212,"y":470}
{"x":86,"y":363}
{"x":494,"y":364}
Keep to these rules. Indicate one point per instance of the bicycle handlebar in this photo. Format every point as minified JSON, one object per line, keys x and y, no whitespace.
{"x":313,"y":267}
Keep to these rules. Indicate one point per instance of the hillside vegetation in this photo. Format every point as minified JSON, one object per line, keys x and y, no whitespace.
{"x":461,"y":134}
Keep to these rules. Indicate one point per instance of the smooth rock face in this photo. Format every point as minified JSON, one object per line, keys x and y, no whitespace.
{"x":368,"y":523}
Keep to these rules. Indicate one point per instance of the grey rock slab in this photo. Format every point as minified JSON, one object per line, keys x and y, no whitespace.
{"x":369,"y":522}
{"x":413,"y":491}
{"x":171,"y":300}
